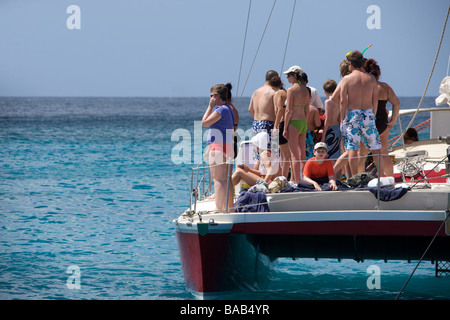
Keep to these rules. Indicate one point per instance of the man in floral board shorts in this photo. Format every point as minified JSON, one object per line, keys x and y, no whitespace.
{"x":359,"y":100}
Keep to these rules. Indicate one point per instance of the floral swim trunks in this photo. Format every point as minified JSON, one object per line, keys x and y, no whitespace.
{"x":360,"y":124}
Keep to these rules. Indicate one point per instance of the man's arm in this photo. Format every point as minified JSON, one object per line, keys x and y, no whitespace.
{"x":327,"y":120}
{"x":251,"y":108}
{"x":336,"y":96}
{"x":343,"y":102}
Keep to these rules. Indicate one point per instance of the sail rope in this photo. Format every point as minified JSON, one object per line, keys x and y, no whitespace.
{"x":423,"y":255}
{"x":257,"y":51}
{"x":429,"y":78}
{"x":289,"y":34}
{"x":260,"y":42}
{"x":243,"y":45}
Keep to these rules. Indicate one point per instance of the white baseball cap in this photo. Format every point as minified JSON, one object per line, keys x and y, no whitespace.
{"x":294,"y":69}
{"x":320,"y":145}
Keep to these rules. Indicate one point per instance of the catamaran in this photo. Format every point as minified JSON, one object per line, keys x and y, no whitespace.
{"x":406,"y":220}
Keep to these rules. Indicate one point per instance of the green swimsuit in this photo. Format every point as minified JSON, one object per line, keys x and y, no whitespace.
{"x":300,"y":125}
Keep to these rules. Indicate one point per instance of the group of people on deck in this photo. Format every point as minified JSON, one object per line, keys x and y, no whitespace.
{"x":295,"y":136}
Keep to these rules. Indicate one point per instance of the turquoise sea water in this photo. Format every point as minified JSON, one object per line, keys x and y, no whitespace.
{"x":90,"y":183}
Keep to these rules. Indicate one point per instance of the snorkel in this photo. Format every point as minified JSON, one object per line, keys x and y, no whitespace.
{"x":361,"y":52}
{"x":366,"y":49}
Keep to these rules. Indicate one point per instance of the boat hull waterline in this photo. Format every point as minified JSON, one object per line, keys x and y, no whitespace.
{"x":234,"y":251}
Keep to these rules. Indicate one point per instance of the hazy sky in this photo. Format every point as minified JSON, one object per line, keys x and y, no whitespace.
{"x":180,"y":48}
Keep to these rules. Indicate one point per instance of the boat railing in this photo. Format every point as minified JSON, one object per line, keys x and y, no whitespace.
{"x":437,"y":122}
{"x":418,"y":128}
{"x":411,"y":168}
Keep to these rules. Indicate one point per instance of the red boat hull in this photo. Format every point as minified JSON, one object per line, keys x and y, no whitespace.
{"x":238,"y":258}
{"x":203,"y":261}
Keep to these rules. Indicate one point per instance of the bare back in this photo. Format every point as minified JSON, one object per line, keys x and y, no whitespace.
{"x":331,"y":113}
{"x":385,"y":92}
{"x":313,"y":118}
{"x":359,"y":91}
{"x":279,"y":101}
{"x":297,"y":96}
{"x":261,"y":105}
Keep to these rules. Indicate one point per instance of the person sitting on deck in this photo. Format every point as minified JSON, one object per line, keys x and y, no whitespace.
{"x":269,"y":164}
{"x":318,"y":169}
{"x":410,"y":136}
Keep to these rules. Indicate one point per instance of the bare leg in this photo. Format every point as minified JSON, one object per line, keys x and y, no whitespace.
{"x":341,"y":162}
{"x":353,"y":162}
{"x":295,"y":153}
{"x":375,"y":154}
{"x":386,"y":163}
{"x":219,"y":173}
{"x":286,"y":158}
{"x":248,"y":177}
{"x":362,"y":153}
{"x":302,"y":146}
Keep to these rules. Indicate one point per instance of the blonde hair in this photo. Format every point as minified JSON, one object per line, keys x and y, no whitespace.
{"x":344,"y":68}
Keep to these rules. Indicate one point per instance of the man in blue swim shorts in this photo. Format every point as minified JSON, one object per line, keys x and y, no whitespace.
{"x":262,"y":109}
{"x":358,"y":102}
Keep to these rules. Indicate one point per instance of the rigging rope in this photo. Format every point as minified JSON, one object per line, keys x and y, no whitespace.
{"x":429,"y":78}
{"x":243,"y":46}
{"x":423,"y":255}
{"x":287,"y":40}
{"x":256,"y":54}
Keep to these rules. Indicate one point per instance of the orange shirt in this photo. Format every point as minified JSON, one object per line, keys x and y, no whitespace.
{"x":314,"y":170}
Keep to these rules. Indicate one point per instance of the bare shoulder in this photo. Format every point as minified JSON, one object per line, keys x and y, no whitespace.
{"x":280,"y":94}
{"x":385,"y":86}
{"x":313,"y":109}
{"x":345,"y":81}
{"x":330,"y":103}
{"x":370,"y":78}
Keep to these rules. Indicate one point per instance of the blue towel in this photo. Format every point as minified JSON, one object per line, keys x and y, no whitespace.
{"x":389,"y":194}
{"x":251,"y":202}
{"x":323,"y":183}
